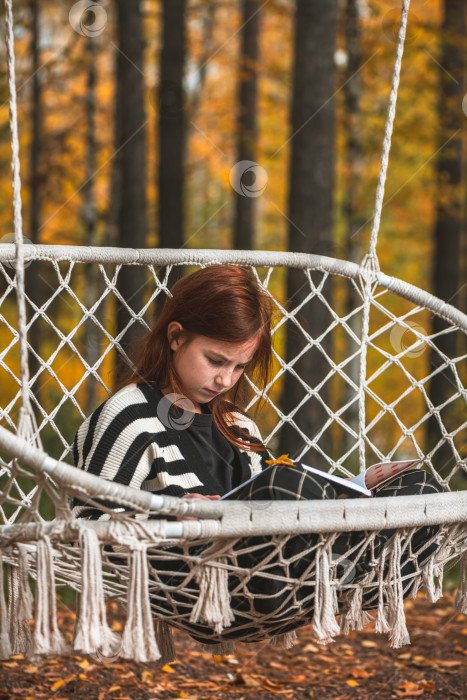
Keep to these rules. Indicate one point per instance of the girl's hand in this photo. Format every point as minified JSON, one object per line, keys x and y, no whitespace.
{"x":199,"y":495}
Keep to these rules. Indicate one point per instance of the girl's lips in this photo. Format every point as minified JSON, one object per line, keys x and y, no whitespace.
{"x":212,"y":393}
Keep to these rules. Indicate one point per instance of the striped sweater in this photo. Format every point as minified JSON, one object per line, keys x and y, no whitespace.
{"x":126,"y":439}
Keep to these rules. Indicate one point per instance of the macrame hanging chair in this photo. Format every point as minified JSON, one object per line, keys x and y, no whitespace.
{"x":191,"y":573}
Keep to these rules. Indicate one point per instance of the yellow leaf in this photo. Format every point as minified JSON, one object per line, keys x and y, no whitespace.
{"x":58,"y":684}
{"x":114,"y":687}
{"x":146,"y":676}
{"x":84,"y":663}
{"x":352,"y":683}
{"x":368,"y":643}
{"x":168,"y":669}
{"x":83,"y":676}
{"x":283,"y":459}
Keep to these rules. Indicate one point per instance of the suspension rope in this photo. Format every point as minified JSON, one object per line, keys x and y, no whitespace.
{"x":27,"y":423}
{"x":370,"y":266}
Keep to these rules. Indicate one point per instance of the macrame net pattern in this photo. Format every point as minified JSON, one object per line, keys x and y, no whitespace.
{"x":250,"y":570}
{"x":202,"y":580}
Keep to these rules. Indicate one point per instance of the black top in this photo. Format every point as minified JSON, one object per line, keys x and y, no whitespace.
{"x":135,"y":439}
{"x":219,"y":455}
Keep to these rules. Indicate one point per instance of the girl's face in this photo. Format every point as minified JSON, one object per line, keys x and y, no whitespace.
{"x":208,"y":367}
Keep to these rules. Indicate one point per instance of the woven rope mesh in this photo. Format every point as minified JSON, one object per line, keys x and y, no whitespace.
{"x":71,"y":308}
{"x":71,"y":316}
{"x":270,"y":598}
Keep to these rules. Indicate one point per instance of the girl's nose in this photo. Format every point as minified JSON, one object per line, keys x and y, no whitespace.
{"x":224,"y":377}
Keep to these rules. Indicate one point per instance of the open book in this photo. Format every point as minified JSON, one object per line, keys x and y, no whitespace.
{"x":361,"y":485}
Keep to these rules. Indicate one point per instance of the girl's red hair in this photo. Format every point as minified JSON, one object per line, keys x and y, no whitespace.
{"x":223,"y":302}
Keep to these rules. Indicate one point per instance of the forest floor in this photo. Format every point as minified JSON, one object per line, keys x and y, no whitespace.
{"x":361,"y":665}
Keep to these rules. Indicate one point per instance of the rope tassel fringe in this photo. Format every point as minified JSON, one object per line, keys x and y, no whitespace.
{"x":139,"y":638}
{"x":5,"y":647}
{"x":461,"y":596}
{"x":213,"y":604}
{"x":325,"y":625}
{"x":91,"y":633}
{"x":47,"y":636}
{"x":20,"y":606}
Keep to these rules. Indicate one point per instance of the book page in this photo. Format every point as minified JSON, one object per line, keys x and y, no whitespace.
{"x":345,"y":483}
{"x":379,"y":474}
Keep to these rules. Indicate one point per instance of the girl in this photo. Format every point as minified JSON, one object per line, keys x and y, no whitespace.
{"x":176,"y":427}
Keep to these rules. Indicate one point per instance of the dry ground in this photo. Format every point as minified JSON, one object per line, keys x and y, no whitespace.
{"x":360,"y":666}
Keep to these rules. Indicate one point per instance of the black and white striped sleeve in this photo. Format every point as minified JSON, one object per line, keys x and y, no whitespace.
{"x":117,"y":442}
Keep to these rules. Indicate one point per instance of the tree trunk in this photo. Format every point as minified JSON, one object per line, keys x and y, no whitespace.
{"x":310,"y":215}
{"x":89,"y":217}
{"x":244,"y":226}
{"x":172,"y":134}
{"x":448,"y":224}
{"x":172,"y":125}
{"x":352,"y":204}
{"x":132,"y":224}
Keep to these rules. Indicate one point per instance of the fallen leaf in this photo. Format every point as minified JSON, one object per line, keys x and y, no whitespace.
{"x":448,"y":664}
{"x":244,"y":679}
{"x":427,"y":685}
{"x":368,"y":643}
{"x":271,"y":685}
{"x":59,"y":684}
{"x":360,"y":673}
{"x":409,"y":688}
{"x":168,"y":669}
{"x":352,"y":683}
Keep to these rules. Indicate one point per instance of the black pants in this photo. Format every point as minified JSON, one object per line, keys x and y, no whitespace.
{"x":274,"y":591}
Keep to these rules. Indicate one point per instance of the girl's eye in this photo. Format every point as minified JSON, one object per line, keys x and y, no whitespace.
{"x":217,"y":363}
